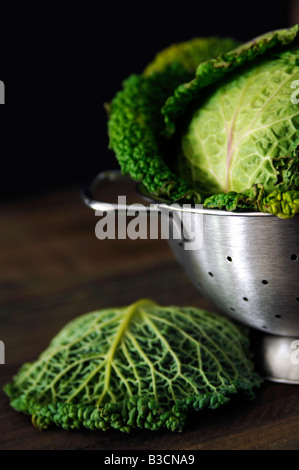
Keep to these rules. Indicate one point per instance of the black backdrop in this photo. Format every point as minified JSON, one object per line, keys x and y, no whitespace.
{"x":60,"y":62}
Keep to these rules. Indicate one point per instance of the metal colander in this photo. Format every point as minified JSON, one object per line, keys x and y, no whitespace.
{"x":248,"y":266}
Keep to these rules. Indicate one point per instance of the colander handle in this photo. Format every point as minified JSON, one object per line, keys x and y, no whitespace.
{"x":95,"y":204}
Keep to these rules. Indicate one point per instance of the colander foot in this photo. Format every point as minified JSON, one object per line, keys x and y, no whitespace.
{"x":277,"y":357}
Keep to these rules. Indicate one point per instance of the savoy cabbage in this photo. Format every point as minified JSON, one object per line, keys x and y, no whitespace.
{"x":211,"y":121}
{"x":140,"y":366}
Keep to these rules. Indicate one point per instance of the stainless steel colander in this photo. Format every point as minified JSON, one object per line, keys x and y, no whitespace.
{"x":248,"y":266}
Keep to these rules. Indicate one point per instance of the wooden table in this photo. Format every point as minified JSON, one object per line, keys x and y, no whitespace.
{"x":53,"y":269}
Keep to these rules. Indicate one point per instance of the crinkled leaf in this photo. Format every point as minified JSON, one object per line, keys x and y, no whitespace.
{"x":142,"y":366}
{"x":189,"y":54}
{"x":215,"y":69}
{"x":282,"y":203}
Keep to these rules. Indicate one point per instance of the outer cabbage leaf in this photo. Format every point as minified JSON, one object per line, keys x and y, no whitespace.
{"x":142,"y":366}
{"x":189,"y":54}
{"x":215,"y":69}
{"x":245,"y":129}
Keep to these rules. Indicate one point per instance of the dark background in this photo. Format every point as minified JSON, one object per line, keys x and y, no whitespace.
{"x":61,"y":62}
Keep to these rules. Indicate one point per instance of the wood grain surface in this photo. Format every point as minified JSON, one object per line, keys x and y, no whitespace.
{"x":53,"y":269}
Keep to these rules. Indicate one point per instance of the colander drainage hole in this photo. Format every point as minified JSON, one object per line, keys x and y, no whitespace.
{"x":265,"y":282}
{"x":294,"y":257}
{"x":277,"y":316}
{"x":245,"y":299}
{"x":232,"y":309}
{"x":229,"y":258}
{"x":211,"y":274}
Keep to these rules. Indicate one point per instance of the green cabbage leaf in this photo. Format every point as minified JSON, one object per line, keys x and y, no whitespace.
{"x":141,"y":366}
{"x":215,"y":69}
{"x":245,"y":131}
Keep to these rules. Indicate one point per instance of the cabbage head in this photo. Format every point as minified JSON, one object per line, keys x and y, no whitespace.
{"x":215,"y":122}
